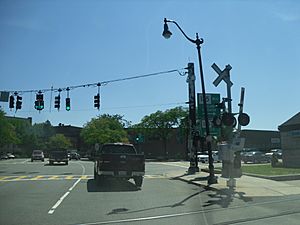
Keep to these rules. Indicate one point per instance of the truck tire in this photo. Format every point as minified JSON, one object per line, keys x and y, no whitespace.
{"x":138,"y":181}
{"x":51,"y":162}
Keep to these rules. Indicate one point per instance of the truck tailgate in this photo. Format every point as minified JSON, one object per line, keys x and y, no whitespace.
{"x":121,"y":162}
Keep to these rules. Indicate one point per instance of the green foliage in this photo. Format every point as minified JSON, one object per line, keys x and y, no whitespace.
{"x":42,"y":133}
{"x":8,"y":133}
{"x":104,"y":129}
{"x":59,"y":141}
{"x":160,"y":124}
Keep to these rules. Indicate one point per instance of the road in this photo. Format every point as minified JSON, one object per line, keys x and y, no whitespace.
{"x":36,"y":193}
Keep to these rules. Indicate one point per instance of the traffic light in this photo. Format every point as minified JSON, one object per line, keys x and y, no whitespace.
{"x":97,"y":101}
{"x":68,"y":104}
{"x":19,"y":102}
{"x":57,"y":102}
{"x":39,"y":103}
{"x":11,"y":102}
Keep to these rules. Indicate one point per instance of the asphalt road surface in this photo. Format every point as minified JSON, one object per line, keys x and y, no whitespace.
{"x":37,"y":193}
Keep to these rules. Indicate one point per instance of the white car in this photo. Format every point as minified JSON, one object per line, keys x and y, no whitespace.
{"x":203,"y":157}
{"x":10,"y":156}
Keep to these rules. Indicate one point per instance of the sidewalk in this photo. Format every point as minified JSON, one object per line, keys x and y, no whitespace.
{"x":248,"y":185}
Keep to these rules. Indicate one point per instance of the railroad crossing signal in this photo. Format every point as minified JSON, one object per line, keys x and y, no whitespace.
{"x":223,"y":75}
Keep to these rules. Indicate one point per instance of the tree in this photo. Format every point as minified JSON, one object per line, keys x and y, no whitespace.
{"x":104,"y":129}
{"x":59,"y":141}
{"x":8,"y":133}
{"x":160,"y":124}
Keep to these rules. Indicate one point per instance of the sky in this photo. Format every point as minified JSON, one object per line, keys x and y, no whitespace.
{"x":63,"y":43}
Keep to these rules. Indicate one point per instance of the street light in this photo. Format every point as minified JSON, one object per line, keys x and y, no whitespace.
{"x":212,"y":179}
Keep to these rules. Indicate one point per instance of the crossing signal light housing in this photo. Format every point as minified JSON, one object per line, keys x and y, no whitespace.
{"x":19,"y":102}
{"x":68,"y":104}
{"x":97,"y":101}
{"x":39,"y":103}
{"x":57,"y":102}
{"x":244,"y":119}
{"x":11,"y":102}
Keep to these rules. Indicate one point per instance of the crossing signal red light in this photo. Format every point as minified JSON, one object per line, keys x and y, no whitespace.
{"x":244,"y":119}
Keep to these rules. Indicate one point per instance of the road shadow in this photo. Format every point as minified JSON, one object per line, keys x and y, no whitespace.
{"x":56,"y":164}
{"x":224,"y":197}
{"x":111,"y":185}
{"x":174,"y":205}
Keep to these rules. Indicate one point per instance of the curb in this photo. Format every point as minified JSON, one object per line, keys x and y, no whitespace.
{"x":275,"y":178}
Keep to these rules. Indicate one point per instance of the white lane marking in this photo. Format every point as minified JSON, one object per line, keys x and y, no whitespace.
{"x":51,"y":211}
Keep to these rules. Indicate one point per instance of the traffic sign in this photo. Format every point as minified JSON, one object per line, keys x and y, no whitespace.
{"x":211,"y":101}
{"x":223,"y":75}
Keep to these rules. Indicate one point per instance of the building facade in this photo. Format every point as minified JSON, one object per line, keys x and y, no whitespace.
{"x":290,"y":138}
{"x":264,"y":140}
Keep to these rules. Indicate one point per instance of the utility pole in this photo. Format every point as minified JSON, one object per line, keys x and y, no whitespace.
{"x":192,"y":142}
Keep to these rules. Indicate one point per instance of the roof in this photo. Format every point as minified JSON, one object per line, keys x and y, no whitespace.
{"x":291,"y":124}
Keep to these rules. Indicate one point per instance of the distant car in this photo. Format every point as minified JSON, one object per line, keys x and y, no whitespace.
{"x":255,"y":157}
{"x":3,"y":156}
{"x":10,"y":156}
{"x":74,"y":155}
{"x":276,"y":152}
{"x":37,"y":155}
{"x":203,"y":157}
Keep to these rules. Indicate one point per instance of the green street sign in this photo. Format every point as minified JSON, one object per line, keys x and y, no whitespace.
{"x":212,"y":110}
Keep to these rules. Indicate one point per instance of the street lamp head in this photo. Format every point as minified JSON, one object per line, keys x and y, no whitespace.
{"x":166,"y":33}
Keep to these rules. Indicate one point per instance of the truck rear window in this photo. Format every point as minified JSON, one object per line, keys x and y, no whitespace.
{"x":118,"y":149}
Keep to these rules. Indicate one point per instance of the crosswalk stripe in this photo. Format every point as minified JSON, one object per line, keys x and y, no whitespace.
{"x":37,"y":178}
{"x":53,"y":178}
{"x":64,"y":177}
{"x":20,"y":177}
{"x":3,"y":178}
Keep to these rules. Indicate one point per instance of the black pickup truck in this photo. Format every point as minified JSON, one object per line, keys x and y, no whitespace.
{"x":58,"y":156}
{"x":119,"y":160}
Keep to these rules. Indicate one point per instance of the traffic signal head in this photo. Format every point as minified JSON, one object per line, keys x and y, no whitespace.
{"x":39,"y":103}
{"x":19,"y":102}
{"x":97,"y":101}
{"x":68,"y":104}
{"x":57,"y":102}
{"x":11,"y":102}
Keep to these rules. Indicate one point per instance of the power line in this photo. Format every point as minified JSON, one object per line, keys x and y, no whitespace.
{"x":179,"y":71}
{"x":123,"y":107}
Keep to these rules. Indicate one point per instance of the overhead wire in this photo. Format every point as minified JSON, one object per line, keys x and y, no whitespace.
{"x":179,"y":71}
